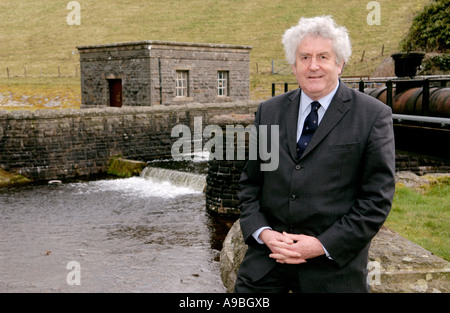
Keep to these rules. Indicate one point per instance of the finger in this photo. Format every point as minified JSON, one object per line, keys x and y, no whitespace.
{"x":281,"y":258}
{"x":293,"y":237}
{"x":285,"y":239}
{"x":280,"y":244}
{"x":278,"y":256}
{"x":284,"y":254}
{"x":272,"y":236}
{"x":291,"y":261}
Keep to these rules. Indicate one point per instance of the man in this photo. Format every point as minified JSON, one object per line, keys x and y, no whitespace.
{"x":309,"y":223}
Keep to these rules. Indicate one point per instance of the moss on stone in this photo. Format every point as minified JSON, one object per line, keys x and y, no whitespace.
{"x":125,"y":168}
{"x":9,"y":179}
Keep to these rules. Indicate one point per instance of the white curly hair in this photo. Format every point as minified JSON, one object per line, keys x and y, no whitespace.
{"x":323,"y":26}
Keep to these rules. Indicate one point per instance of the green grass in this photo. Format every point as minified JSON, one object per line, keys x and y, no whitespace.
{"x":423,"y":215}
{"x":34,"y":34}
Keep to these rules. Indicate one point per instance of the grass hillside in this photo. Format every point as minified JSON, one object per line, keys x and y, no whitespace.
{"x":35,"y":36}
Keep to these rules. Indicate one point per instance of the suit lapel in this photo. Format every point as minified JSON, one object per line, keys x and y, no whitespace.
{"x":291,"y":116}
{"x":335,"y":112}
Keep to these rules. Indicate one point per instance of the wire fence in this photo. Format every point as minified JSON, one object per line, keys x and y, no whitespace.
{"x":281,"y":67}
{"x":33,"y":72}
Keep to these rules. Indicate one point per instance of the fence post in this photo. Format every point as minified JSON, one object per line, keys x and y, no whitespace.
{"x":273,"y":89}
{"x":7,"y":72}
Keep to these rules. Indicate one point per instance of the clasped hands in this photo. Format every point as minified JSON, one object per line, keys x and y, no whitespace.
{"x":290,"y":248}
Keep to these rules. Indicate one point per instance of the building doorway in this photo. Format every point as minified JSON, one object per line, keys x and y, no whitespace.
{"x":115,"y":92}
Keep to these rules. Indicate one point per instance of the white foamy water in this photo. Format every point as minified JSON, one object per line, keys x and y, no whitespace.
{"x":139,"y":187}
{"x":175,"y":178}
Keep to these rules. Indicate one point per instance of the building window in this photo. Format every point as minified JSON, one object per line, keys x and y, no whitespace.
{"x":222,"y":83}
{"x":182,"y":84}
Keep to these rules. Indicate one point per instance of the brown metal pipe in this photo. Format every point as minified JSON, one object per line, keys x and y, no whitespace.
{"x":410,"y":101}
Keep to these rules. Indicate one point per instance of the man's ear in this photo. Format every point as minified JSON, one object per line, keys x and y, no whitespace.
{"x":294,"y":68}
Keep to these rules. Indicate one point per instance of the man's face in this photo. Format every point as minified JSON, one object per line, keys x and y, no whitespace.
{"x":316,"y":69}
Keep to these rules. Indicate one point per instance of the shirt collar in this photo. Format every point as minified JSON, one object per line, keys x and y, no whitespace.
{"x":305,"y":101}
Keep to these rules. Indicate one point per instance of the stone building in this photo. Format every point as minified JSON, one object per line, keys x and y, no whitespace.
{"x":148,"y":73}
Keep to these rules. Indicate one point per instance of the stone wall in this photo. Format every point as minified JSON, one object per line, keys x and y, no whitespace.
{"x":224,"y":172}
{"x":58,"y":144}
{"x":420,"y":164}
{"x":62,"y":144}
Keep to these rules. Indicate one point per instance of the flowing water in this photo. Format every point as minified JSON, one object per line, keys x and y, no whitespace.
{"x":140,"y":234}
{"x":182,"y":179}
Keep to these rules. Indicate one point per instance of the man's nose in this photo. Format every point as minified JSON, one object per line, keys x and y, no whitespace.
{"x":314,"y":65}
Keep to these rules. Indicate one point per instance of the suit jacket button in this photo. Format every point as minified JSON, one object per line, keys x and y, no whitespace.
{"x":292,"y":197}
{"x":298,"y":167}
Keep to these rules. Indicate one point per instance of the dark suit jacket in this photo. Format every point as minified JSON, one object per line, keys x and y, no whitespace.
{"x":339,"y":191}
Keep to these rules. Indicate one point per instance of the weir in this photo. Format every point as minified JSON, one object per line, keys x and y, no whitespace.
{"x":178,"y":178}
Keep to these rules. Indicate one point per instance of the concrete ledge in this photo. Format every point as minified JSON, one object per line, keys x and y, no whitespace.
{"x":96,"y":111}
{"x":396,"y":264}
